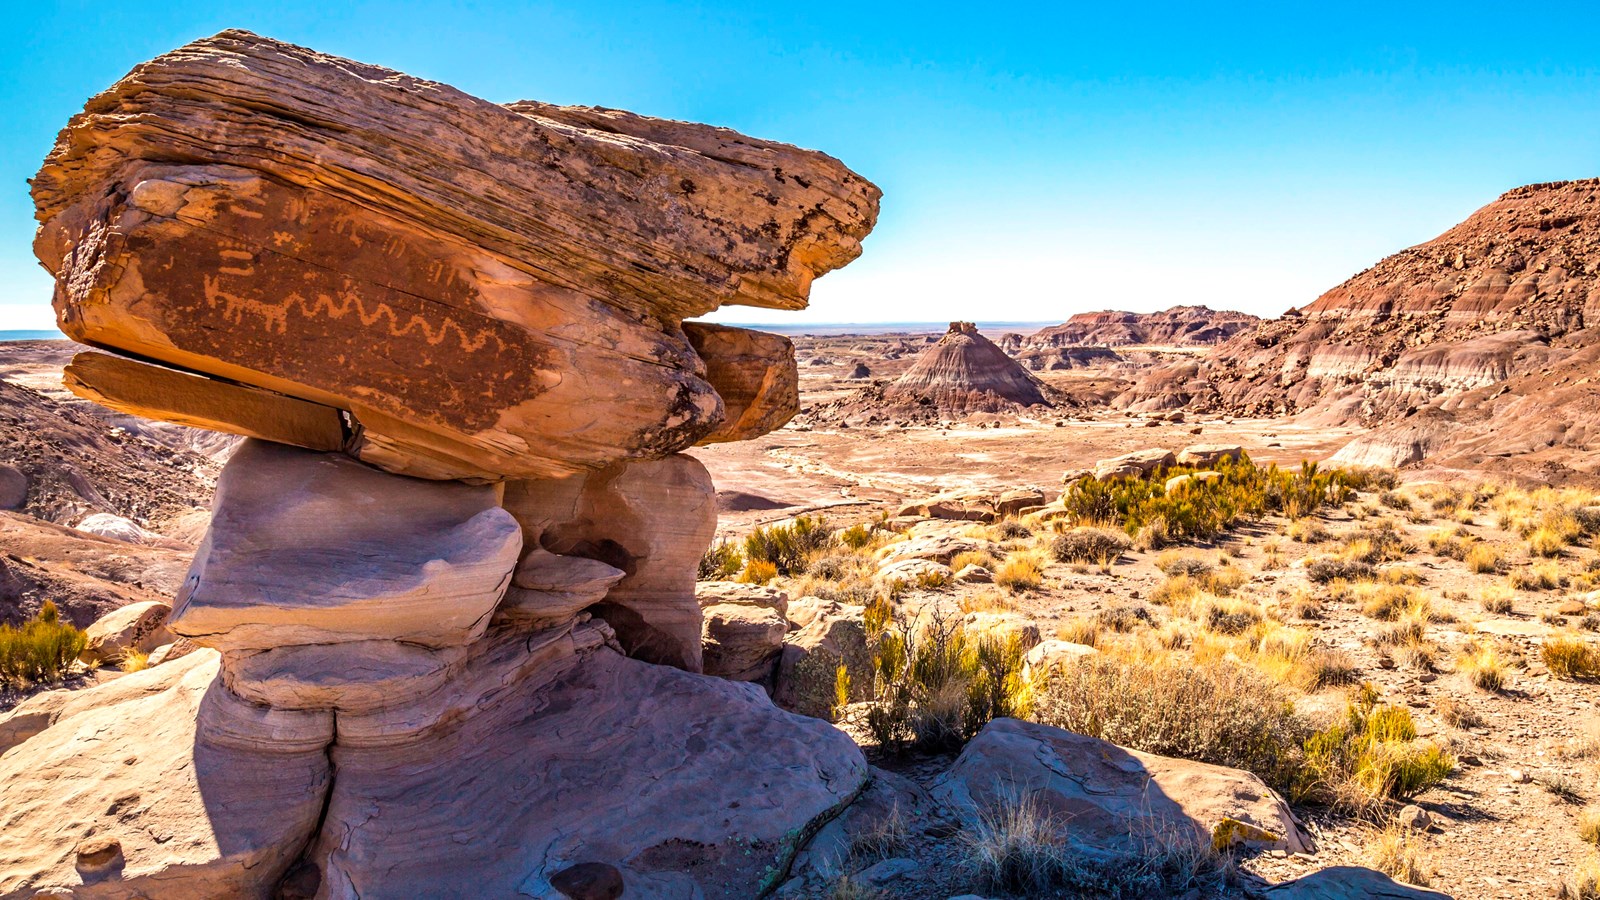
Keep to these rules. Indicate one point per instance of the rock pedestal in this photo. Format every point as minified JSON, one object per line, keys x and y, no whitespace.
{"x":446,"y":602}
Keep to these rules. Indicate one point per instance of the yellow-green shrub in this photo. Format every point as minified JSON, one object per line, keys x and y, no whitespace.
{"x":39,"y":652}
{"x":1369,"y":757}
{"x":788,"y":547}
{"x":1020,"y":572}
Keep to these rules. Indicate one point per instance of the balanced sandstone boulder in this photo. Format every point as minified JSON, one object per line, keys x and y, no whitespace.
{"x":316,"y":548}
{"x":482,"y":680}
{"x":301,"y":225}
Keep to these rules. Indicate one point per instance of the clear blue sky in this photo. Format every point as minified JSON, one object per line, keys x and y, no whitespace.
{"x":1036,"y":161}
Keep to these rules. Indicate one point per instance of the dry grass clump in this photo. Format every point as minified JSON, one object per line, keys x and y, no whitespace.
{"x":1080,"y":631}
{"x":1545,"y":576}
{"x":1584,"y":884}
{"x":1389,"y":602}
{"x":757,"y":571}
{"x":1372,"y":756}
{"x":1589,"y":826}
{"x":1231,"y":617}
{"x":720,"y":562}
{"x":857,"y":537}
{"x":1101,"y":546}
{"x":1483,"y":667}
{"x":1017,"y":847}
{"x":1011,"y":530}
{"x":41,"y":651}
{"x":989,"y":599}
{"x":1451,"y":542}
{"x":1217,"y":712}
{"x":790,"y":546}
{"x":1303,"y":606}
{"x":1395,"y":500}
{"x":1457,"y":713}
{"x":1181,"y":562}
{"x":1291,"y":656}
{"x":1307,"y":531}
{"x":1482,"y":559}
{"x":935,"y":685}
{"x":1497,"y":599}
{"x":1570,"y":657}
{"x":1329,"y":569}
{"x":1020,"y":572}
{"x":1402,"y":575}
{"x":131,"y":660}
{"x":1398,"y":852}
{"x":1547,"y":542}
{"x":973,"y":558}
{"x":1179,"y":592}
{"x":1123,"y":618}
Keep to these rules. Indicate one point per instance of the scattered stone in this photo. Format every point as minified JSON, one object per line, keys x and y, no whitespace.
{"x":742,"y":642}
{"x":13,"y":487}
{"x":138,"y":628}
{"x":1348,"y":883}
{"x":1137,"y":464}
{"x":974,"y":574}
{"x":117,"y":528}
{"x":1205,"y":456}
{"x":1414,"y":817}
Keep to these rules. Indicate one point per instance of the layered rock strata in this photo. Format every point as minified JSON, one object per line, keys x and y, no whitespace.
{"x":450,"y":644}
{"x":1180,"y":326}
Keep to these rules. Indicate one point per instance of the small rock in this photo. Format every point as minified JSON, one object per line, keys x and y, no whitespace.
{"x":98,"y":854}
{"x":884,"y":871}
{"x":1414,"y":818}
{"x":973,"y":574}
{"x":1517,"y":776}
{"x":589,"y":881}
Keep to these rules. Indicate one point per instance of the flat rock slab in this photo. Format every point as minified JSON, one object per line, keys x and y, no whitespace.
{"x":690,"y":786}
{"x":161,"y":784}
{"x":315,"y":548}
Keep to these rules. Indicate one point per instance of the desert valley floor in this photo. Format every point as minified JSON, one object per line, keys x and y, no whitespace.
{"x":1504,"y":823}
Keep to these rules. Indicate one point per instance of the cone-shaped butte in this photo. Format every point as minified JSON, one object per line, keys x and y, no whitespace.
{"x":966,"y":372}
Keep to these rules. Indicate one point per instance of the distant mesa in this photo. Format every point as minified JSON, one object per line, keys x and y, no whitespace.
{"x":1180,"y":326}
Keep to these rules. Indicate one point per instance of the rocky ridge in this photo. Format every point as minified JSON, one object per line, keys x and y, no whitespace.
{"x":1425,"y":345}
{"x":1179,"y":326}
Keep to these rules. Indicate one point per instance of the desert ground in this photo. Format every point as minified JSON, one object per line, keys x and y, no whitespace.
{"x":1503,"y":823}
